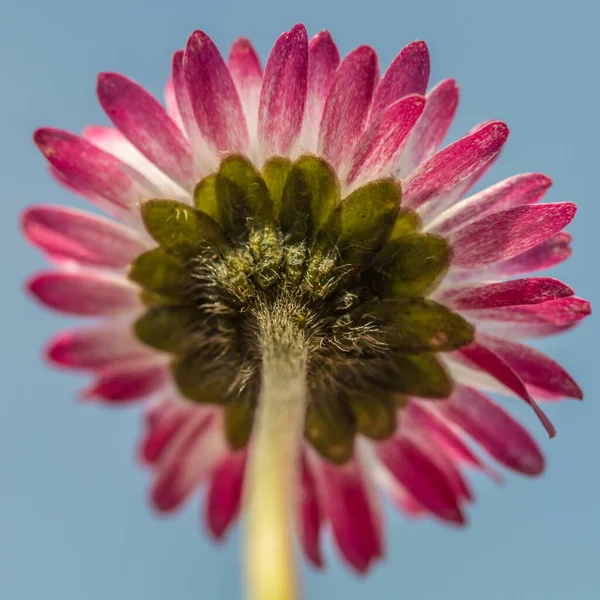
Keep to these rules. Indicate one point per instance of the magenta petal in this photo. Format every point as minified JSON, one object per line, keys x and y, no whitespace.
{"x":283,"y":94}
{"x":535,"y":368}
{"x":144,"y":122}
{"x":246,"y":72}
{"x":309,"y":516}
{"x":189,"y":458}
{"x":408,"y":74}
{"x":323,"y":60}
{"x":354,"y":520}
{"x":432,"y":127}
{"x":438,"y":182}
{"x":82,"y":293}
{"x":69,"y":234}
{"x":514,"y":191}
{"x":171,"y":104}
{"x":92,"y":172}
{"x":494,"y":430}
{"x":385,"y":138}
{"x":508,"y":233}
{"x":96,"y":347}
{"x":532,"y":290}
{"x":477,"y":355}
{"x":347,"y":107}
{"x":423,"y":479}
{"x":225,"y":494}
{"x":128,"y":382}
{"x":213,"y":96}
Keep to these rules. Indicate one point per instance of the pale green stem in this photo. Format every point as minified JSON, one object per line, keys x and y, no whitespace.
{"x":271,"y":477}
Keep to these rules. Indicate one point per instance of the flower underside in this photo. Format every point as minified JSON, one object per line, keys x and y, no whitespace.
{"x":351,"y":274}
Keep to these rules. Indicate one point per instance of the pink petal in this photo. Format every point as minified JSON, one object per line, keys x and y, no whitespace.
{"x":478,"y":355}
{"x":97,"y":347}
{"x":189,"y":458}
{"x":441,"y":180}
{"x":514,"y":191}
{"x":494,"y":430}
{"x":508,"y":233}
{"x":347,"y":107}
{"x":384,"y":139}
{"x":532,"y":290}
{"x":214,"y":99}
{"x":283,"y":93}
{"x":309,"y":516}
{"x":171,"y":103}
{"x":144,"y":122}
{"x":431,"y":128}
{"x":323,"y":60}
{"x":408,"y":74}
{"x":538,"y":320}
{"x":246,"y":72}
{"x":225,"y":494}
{"x":422,"y":477}
{"x":132,"y":381}
{"x":92,"y":172}
{"x":354,"y":520}
{"x":534,"y":367}
{"x":69,"y":234}
{"x":83,"y":293}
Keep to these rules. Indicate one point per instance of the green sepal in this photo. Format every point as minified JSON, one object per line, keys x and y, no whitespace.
{"x":239,"y":418}
{"x":375,"y":413}
{"x":416,"y":325}
{"x":330,"y":428}
{"x":275,"y":173}
{"x":421,"y":375}
{"x":242,"y":195}
{"x":407,"y":222}
{"x":309,"y":197}
{"x":182,"y":230}
{"x":205,"y":197}
{"x":266,"y":249}
{"x":159,"y":272}
{"x":166,"y":328}
{"x":202,"y":380}
{"x":411,"y":265}
{"x":362,"y":223}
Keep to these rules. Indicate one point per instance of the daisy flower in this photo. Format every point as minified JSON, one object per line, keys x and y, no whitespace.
{"x":295,"y":277}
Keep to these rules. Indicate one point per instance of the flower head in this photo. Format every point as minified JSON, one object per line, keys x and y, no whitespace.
{"x":299,"y":284}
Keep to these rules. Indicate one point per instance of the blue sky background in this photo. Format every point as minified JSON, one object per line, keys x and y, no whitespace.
{"x":74,"y":522}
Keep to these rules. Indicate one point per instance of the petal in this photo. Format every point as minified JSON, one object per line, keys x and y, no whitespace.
{"x":431,"y":128}
{"x":323,"y":60}
{"x":535,"y":368}
{"x":408,"y":74}
{"x":309,"y":516}
{"x":171,"y":103}
{"x":111,"y":343}
{"x":494,"y":430}
{"x":514,"y":191}
{"x":93,"y":172}
{"x":189,"y":458}
{"x":508,"y":233}
{"x":283,"y":93}
{"x":441,"y":180}
{"x":69,"y":234}
{"x":85,"y":293}
{"x":384,"y":139}
{"x":423,"y":479}
{"x":131,"y":381}
{"x":246,"y":72}
{"x":215,"y":101}
{"x":354,"y":519}
{"x":532,"y":290}
{"x":347,"y":106}
{"x":144,"y":122}
{"x":225,"y":494}
{"x":480,"y":356}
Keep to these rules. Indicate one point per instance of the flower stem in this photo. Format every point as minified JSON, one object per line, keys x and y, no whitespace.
{"x":273,"y":464}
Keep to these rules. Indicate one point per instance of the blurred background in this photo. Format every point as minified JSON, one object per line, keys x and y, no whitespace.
{"x":74,"y":520}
